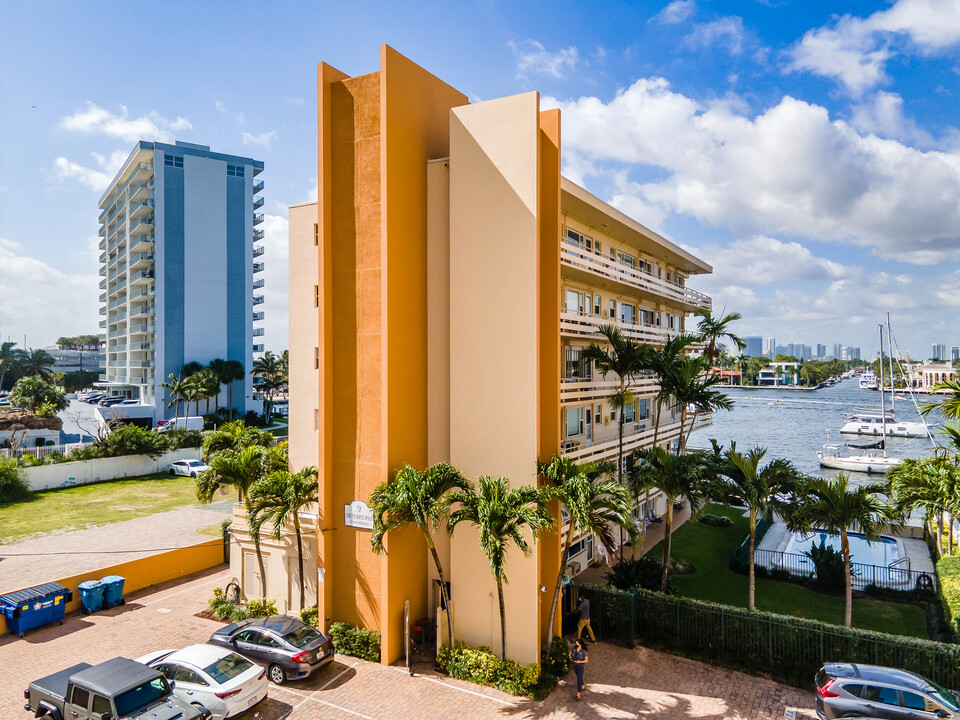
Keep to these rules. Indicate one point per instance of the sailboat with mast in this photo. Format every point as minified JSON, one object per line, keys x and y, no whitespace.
{"x":831,"y":456}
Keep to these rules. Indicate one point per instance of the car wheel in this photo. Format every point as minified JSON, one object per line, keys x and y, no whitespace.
{"x":193,"y":475}
{"x":204,"y":712}
{"x":171,"y":471}
{"x":276,"y":674}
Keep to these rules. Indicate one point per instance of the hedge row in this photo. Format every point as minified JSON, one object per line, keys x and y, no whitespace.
{"x":948,"y":571}
{"x":482,"y":667}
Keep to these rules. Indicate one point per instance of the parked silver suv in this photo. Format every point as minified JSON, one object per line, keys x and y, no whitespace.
{"x":846,"y":690}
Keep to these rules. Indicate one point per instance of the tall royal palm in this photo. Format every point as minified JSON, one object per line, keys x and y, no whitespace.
{"x":712,"y":329}
{"x":837,"y":507}
{"x":623,"y":358}
{"x":37,"y":362}
{"x":664,"y":361}
{"x":679,"y":477}
{"x":693,"y":386}
{"x":594,"y":505}
{"x":420,"y":499}
{"x":219,"y":368}
{"x":278,"y":499}
{"x":241,"y":470}
{"x":502,"y":516}
{"x":8,"y":359}
{"x":179,"y":391}
{"x":233,"y":372}
{"x":762,"y":489}
{"x":270,"y":371}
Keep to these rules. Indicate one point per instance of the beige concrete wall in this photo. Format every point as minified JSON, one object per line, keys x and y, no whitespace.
{"x":84,"y":472}
{"x":494,"y":305}
{"x":304,"y":330}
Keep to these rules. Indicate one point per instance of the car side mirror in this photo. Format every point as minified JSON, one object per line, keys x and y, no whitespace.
{"x":172,"y":684}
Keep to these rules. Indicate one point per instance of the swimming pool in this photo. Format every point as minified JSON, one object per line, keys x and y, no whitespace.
{"x":883,"y":552}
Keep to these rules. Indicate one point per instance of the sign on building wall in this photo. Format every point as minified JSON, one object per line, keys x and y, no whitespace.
{"x":358,"y":514}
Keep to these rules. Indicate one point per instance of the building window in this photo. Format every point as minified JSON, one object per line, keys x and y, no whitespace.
{"x":574,"y":302}
{"x":316,"y":235}
{"x":629,"y":414}
{"x":628,"y":260}
{"x":316,"y":419}
{"x":627,"y":313}
{"x":596,"y":305}
{"x":316,"y":296}
{"x":574,"y":422}
{"x":613,"y":308}
{"x":643,"y":411}
{"x":597,"y":413}
{"x":316,"y":358}
{"x":173,"y":161}
{"x":235,"y":170}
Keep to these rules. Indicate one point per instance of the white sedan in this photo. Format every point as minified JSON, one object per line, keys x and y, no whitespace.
{"x":218,"y":679}
{"x":188,"y":468}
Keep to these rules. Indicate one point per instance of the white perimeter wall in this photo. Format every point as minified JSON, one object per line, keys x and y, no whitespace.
{"x":84,"y":472}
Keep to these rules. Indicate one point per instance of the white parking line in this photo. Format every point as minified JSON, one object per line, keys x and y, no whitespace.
{"x":305,"y":698}
{"x":458,"y":689}
{"x":189,"y":589}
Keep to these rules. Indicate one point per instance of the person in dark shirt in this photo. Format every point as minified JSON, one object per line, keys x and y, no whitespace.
{"x":584,"y":621}
{"x":580,"y":659}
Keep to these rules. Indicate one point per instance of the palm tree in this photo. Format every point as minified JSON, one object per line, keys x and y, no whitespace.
{"x":233,"y":371}
{"x":270,"y":370}
{"x":837,"y":507}
{"x":8,"y":359}
{"x":760,"y":489}
{"x":663,"y":362}
{"x":914,"y":485}
{"x":711,"y":329}
{"x":692,"y":386}
{"x":279,"y":498}
{"x":949,"y":406}
{"x":235,"y":436}
{"x":421,"y":500}
{"x":594,"y":504}
{"x":678,"y":477}
{"x":624,"y":358}
{"x":37,"y":362}
{"x":193,"y":389}
{"x":191,"y":368}
{"x":207,"y":385}
{"x":219,"y":368}
{"x":179,"y":391}
{"x":502,"y":516}
{"x":242,"y":470}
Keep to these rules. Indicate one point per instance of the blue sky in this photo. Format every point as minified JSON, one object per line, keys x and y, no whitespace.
{"x":812,"y":158}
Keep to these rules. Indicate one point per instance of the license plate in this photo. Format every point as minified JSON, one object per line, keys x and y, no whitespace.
{"x":253,"y":701}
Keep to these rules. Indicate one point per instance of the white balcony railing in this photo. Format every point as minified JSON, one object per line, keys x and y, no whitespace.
{"x":584,"y":325}
{"x":641,"y":435}
{"x":613,"y":270}
{"x":597,"y":388}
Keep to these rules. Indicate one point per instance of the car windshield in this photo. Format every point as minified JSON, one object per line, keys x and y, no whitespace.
{"x":142,"y":695}
{"x":946,"y":697}
{"x":194,"y":463}
{"x":227,"y":667}
{"x":301,"y":636}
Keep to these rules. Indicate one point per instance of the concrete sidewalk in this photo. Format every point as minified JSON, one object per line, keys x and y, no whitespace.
{"x":60,"y":555}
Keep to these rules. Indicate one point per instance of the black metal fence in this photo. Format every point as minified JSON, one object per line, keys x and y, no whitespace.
{"x":790,"y":649}
{"x":893,"y":577}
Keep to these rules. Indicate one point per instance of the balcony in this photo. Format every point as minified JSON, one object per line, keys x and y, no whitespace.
{"x":140,"y":277}
{"x":588,"y":262}
{"x":258,"y":332}
{"x":141,"y":225}
{"x":257,"y":186}
{"x":258,"y":299}
{"x":102,"y":232}
{"x":118,"y":317}
{"x":103,"y":258}
{"x":598,"y":388}
{"x":258,"y":348}
{"x":145,"y":292}
{"x":257,"y":218}
{"x":103,"y":283}
{"x":117,"y":303}
{"x":142,"y":329}
{"x":582,"y":325}
{"x":141,"y":261}
{"x":140,"y":363}
{"x":139,"y":191}
{"x":636,"y":435}
{"x":257,"y":316}
{"x":258,"y":267}
{"x":141,"y":347}
{"x":103,"y":311}
{"x":257,"y":234}
{"x":258,"y":284}
{"x":103,"y":297}
{"x":103,"y":323}
{"x":258,"y":203}
{"x":139,"y":209}
{"x":142,"y":243}
{"x":258,"y":250}
{"x":142,"y":311}
{"x":141,"y":173}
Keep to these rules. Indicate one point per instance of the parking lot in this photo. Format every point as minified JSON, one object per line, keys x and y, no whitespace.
{"x":621,"y":682}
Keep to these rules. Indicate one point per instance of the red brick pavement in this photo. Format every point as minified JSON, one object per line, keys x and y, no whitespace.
{"x":620,"y":682}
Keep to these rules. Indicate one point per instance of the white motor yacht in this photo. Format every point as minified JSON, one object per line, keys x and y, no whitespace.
{"x":871,"y":423}
{"x":868,"y":381}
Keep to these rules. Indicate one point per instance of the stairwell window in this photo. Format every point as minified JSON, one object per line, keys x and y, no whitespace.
{"x":316,"y":235}
{"x":173,"y":161}
{"x":235,"y":170}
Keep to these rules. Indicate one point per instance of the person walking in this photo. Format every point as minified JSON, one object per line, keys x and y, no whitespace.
{"x":584,"y":609}
{"x":580,"y":659}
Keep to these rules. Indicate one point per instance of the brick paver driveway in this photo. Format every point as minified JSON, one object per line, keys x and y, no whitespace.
{"x":621,"y":683}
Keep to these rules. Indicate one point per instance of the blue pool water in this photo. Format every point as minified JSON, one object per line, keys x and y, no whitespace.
{"x":882,"y":552}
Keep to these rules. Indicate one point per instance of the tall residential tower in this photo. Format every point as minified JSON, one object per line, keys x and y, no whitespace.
{"x":178,"y":268}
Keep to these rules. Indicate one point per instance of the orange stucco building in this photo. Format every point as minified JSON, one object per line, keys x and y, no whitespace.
{"x":427,"y":290}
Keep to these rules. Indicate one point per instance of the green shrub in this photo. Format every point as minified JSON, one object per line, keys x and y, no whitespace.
{"x":828,"y":565}
{"x":182,"y":438}
{"x":132,"y":440}
{"x":555,"y":660}
{"x":715,"y":520}
{"x":948,"y":571}
{"x":481,"y":666}
{"x":13,"y":484}
{"x":223,"y":609}
{"x":32,"y":391}
{"x":310,"y":616}
{"x":644,"y":572}
{"x":261,"y":607}
{"x":358,"y":642}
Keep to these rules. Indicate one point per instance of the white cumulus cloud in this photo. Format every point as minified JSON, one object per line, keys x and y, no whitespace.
{"x":95,"y":120}
{"x":262,"y":139}
{"x":96,"y":178}
{"x":534,"y":57}
{"x":727,"y":32}
{"x":675,"y":12}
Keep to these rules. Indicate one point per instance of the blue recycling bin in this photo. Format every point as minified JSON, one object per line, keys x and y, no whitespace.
{"x":39,"y":605}
{"x":112,"y":590}
{"x":91,"y":596}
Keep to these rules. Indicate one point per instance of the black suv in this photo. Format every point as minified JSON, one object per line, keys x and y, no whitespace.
{"x":846,"y":690}
{"x":288,"y":648}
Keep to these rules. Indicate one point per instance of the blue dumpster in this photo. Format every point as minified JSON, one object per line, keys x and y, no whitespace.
{"x":91,"y":596}
{"x":112,"y":590}
{"x":35,"y":606}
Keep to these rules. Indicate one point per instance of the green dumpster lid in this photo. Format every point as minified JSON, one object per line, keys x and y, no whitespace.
{"x":37,"y":592}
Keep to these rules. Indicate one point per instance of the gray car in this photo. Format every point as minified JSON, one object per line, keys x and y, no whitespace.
{"x":288,"y":648}
{"x":847,"y":690}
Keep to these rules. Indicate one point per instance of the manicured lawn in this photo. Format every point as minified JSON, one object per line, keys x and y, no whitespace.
{"x":709,"y":549}
{"x":99,"y":504}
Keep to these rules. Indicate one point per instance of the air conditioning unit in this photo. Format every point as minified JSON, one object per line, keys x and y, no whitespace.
{"x":573,"y":569}
{"x":568,"y":446}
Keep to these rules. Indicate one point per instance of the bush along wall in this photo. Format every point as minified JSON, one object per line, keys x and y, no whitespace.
{"x":354,"y":641}
{"x":482,"y":667}
{"x":948,"y":571}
